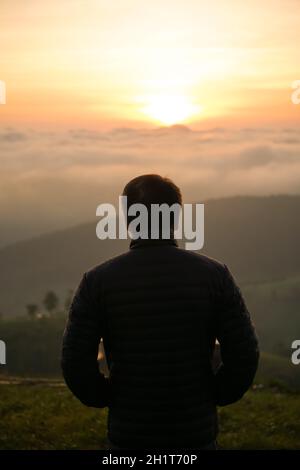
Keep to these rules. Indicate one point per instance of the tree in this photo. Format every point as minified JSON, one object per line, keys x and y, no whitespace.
{"x":32,"y":310}
{"x":50,"y":301}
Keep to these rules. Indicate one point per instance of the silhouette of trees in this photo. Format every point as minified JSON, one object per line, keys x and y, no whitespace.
{"x":32,"y":310}
{"x":50,"y":302}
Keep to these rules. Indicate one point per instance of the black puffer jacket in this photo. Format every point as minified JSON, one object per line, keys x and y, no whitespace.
{"x":159,"y":310}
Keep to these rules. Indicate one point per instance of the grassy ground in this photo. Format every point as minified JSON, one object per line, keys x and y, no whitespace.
{"x":46,"y":416}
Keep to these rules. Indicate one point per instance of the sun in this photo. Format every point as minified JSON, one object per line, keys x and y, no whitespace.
{"x":170,"y":109}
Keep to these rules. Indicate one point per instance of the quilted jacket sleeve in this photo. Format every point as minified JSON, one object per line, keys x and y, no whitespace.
{"x":81,"y":340}
{"x":238,"y":343}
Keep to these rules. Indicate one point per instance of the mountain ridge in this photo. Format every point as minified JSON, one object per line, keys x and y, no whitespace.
{"x":252,"y":234}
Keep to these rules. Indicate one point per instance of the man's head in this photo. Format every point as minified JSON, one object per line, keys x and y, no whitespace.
{"x":152,"y":189}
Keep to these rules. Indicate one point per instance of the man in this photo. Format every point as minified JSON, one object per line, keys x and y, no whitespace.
{"x":159,"y":310}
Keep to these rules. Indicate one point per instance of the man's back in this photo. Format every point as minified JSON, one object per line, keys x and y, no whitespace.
{"x":159,"y":310}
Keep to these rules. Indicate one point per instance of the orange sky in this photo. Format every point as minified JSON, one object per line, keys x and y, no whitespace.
{"x":102,"y":64}
{"x":91,"y":83}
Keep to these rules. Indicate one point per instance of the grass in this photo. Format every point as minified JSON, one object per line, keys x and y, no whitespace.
{"x":43,"y":416}
{"x":272,"y":366}
{"x":264,"y":419}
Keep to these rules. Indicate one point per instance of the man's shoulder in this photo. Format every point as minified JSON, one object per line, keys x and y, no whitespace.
{"x":188,"y":258}
{"x":202,"y":260}
{"x":112,"y":263}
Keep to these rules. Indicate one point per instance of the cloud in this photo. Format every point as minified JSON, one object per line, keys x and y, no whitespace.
{"x":53,"y":179}
{"x":11,"y":136}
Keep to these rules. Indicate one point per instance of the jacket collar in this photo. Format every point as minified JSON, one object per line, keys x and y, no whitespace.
{"x":140,"y":243}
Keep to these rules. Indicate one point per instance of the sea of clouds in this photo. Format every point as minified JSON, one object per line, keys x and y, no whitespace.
{"x":54,"y":179}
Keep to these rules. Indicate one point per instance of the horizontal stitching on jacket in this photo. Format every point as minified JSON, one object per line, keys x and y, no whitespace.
{"x":155,"y":284}
{"x":139,"y":311}
{"x":163,"y":299}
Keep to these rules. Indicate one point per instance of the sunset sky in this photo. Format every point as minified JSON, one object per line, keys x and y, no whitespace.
{"x":108,"y":63}
{"x":92,"y":83}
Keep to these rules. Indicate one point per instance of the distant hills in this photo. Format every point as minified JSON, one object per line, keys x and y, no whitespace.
{"x":258,"y":237}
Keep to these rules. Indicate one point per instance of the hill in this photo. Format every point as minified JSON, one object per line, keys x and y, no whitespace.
{"x":256,"y":236}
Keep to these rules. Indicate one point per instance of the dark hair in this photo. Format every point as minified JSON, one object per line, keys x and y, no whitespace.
{"x":152,"y":189}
